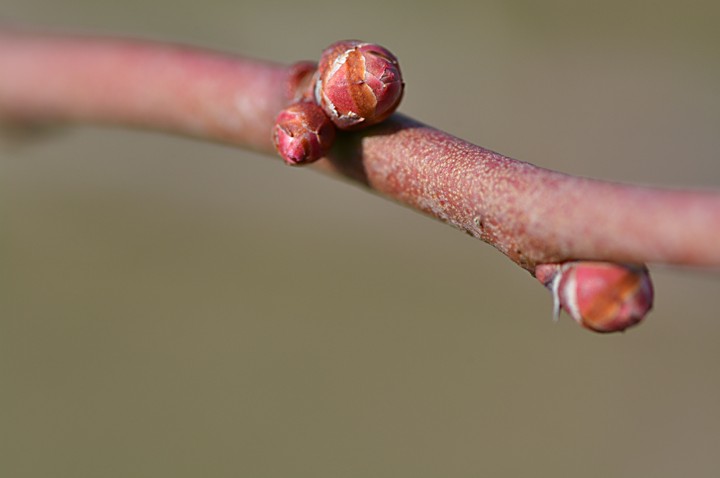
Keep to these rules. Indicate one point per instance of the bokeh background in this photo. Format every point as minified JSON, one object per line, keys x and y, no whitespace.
{"x":170,"y":307}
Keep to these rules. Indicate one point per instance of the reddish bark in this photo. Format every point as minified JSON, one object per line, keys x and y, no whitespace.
{"x":531,"y":214}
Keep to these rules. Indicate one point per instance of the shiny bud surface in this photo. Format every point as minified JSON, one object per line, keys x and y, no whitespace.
{"x":601,"y":296}
{"x":302,"y":133}
{"x":359,"y":84}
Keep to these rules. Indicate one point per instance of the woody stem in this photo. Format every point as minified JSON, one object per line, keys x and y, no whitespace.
{"x":531,"y":214}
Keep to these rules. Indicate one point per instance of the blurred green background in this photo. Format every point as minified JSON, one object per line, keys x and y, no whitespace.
{"x":175,"y":308}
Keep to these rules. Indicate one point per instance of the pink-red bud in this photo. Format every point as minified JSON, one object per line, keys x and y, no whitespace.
{"x":602,"y":296}
{"x":359,"y":84}
{"x":301,"y":81}
{"x":302,"y":133}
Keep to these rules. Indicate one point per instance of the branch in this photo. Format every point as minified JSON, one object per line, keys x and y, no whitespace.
{"x":533,"y":215}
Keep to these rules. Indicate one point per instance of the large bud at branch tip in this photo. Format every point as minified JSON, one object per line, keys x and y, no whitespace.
{"x":359,"y":84}
{"x":302,"y":133}
{"x":601,"y":296}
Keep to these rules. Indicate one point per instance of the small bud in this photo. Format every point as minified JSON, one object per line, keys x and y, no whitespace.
{"x":601,"y":296}
{"x":359,"y":84}
{"x":301,"y":81}
{"x":302,"y":133}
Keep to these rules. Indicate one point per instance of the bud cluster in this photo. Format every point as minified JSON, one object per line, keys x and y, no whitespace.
{"x":355,"y":85}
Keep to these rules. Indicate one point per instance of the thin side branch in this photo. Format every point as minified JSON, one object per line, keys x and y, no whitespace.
{"x":531,"y":214}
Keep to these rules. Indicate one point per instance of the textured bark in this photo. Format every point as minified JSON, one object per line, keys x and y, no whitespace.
{"x":532,"y":215}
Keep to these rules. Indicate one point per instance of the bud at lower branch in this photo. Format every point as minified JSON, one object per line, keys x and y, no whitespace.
{"x":302,"y":133}
{"x":359,"y":84}
{"x":601,"y":296}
